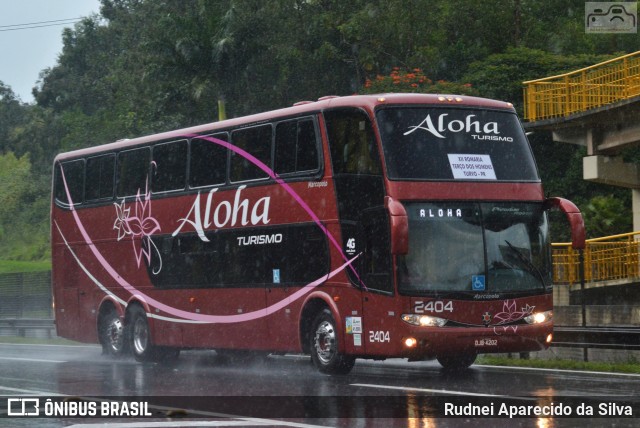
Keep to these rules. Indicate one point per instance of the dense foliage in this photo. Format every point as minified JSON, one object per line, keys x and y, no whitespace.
{"x":143,"y":66}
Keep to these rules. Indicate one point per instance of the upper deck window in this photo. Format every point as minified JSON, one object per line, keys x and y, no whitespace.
{"x":133,"y":172}
{"x":170,"y":166}
{"x":296,"y":147}
{"x":69,"y":182}
{"x":208,"y":161}
{"x":455,"y":144}
{"x":353,"y":143}
{"x":257,"y":142}
{"x":99,"y":177}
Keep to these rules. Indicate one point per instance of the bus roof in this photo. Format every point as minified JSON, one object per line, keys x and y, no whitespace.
{"x":369,"y":102}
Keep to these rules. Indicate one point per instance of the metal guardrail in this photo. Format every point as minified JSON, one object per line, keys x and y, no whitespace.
{"x":600,"y":84}
{"x":609,"y":258}
{"x":626,"y":338}
{"x":20,"y":326}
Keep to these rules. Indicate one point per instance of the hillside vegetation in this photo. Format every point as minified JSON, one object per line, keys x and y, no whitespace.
{"x":142,"y":66}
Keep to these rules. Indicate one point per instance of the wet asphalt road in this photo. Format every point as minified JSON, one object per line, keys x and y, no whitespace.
{"x":288,"y":391}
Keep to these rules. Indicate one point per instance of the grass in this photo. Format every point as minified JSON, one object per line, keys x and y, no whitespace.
{"x":12,"y":266}
{"x":630,"y":366}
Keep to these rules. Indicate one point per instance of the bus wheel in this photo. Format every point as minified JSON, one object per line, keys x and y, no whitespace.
{"x":456,"y":362}
{"x":140,"y":335}
{"x":140,"y":340}
{"x":111,"y":333}
{"x":324,"y":346}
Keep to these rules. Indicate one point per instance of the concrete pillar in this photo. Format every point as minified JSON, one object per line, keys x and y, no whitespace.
{"x":635,"y":200}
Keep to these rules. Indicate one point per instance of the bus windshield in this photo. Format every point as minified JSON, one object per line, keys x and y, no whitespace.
{"x":475,"y":247}
{"x":454,"y":144}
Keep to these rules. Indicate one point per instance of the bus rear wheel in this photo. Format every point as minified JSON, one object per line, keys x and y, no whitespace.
{"x":457,"y":362}
{"x":324,"y":346}
{"x":139,"y":336}
{"x":111,"y":333}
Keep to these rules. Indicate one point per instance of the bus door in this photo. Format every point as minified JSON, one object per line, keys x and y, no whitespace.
{"x":364,"y":224}
{"x":375,"y":269}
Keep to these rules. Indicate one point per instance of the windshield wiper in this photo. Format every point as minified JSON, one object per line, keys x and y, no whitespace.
{"x":527,"y":262}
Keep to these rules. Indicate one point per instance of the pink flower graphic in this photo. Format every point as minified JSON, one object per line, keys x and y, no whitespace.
{"x":510,"y":314}
{"x":141,"y":225}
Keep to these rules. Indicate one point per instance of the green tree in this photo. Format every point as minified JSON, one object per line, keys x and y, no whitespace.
{"x":23,"y":211}
{"x":414,"y":80}
{"x":605,"y":216}
{"x":501,"y":75}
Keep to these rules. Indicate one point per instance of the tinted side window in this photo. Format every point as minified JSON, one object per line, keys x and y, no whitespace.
{"x":170,"y":166}
{"x":290,"y":255}
{"x":133,"y":170}
{"x":257,"y":142}
{"x":208,"y":162}
{"x":296,"y":147}
{"x":74,"y":177}
{"x":352,"y":141}
{"x":100,"y":173}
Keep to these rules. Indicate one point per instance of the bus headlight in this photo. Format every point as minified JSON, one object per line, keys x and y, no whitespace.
{"x":423,"y":320}
{"x":539,"y":317}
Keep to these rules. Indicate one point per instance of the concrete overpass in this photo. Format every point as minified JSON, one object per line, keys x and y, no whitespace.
{"x":597,"y":107}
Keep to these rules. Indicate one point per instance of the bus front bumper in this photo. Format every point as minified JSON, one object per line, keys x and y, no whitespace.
{"x":422,"y":343}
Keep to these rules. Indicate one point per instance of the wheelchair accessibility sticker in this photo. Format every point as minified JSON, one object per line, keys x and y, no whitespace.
{"x":477,"y":283}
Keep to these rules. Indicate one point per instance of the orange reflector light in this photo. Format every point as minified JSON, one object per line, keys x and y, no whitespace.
{"x":410,"y":342}
{"x":336,"y":298}
{"x":549,"y":338}
{"x":192,"y":299}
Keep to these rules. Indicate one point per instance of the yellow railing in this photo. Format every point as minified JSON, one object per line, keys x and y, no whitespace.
{"x":605,"y":83}
{"x":608,"y":258}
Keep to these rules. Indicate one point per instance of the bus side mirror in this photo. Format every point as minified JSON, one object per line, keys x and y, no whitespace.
{"x":399,"y":224}
{"x":576,"y":223}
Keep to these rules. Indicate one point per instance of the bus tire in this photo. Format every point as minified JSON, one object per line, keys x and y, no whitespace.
{"x":111,"y":332}
{"x":324,"y":346}
{"x":140,"y":342}
{"x":456,"y":362}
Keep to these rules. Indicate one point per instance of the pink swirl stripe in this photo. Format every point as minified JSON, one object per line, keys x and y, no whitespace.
{"x":271,"y":173}
{"x":219,"y":319}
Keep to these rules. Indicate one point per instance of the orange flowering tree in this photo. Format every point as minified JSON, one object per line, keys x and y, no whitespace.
{"x":414,"y":80}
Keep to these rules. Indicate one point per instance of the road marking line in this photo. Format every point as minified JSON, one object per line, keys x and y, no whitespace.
{"x":244,"y":422}
{"x":50,"y":345}
{"x":26,"y":391}
{"x":435,"y":391}
{"x":170,"y":424}
{"x":31,"y":360}
{"x":438,"y":391}
{"x":240,"y":420}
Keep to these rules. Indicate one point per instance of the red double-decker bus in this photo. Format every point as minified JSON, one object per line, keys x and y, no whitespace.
{"x":396,"y":225}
